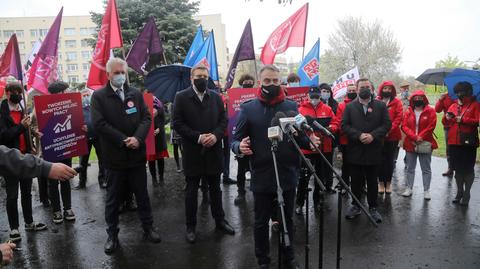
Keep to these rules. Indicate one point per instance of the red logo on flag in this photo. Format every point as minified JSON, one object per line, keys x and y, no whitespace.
{"x":204,"y":62}
{"x":311,"y":68}
{"x":280,"y":37}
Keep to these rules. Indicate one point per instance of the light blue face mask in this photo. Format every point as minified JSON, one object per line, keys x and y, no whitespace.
{"x":118,"y":80}
{"x":294,"y":84}
{"x":325,"y":96}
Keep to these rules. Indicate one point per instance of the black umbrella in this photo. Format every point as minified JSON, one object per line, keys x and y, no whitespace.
{"x":434,"y":76}
{"x":164,"y":82}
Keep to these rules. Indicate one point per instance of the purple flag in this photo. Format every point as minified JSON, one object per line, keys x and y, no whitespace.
{"x":10,"y":60}
{"x":147,"y":45}
{"x":243,"y":52}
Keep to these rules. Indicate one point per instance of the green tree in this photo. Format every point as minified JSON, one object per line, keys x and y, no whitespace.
{"x":450,"y":62}
{"x":370,"y":46}
{"x":174,"y":19}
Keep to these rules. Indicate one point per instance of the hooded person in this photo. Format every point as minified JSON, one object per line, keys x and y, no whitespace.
{"x":326,"y":95}
{"x":418,"y":125}
{"x":387,"y":94}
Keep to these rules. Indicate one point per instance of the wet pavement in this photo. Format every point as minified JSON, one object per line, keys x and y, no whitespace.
{"x":414,"y":233}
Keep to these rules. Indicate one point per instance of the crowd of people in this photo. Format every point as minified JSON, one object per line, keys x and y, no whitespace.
{"x":369,"y":127}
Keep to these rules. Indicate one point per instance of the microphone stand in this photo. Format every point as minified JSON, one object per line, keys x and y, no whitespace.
{"x":283,"y":233}
{"x":346,"y":187}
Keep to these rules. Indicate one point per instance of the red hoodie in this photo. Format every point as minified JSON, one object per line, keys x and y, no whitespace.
{"x":321,"y":111}
{"x":469,"y":113}
{"x":426,"y":124}
{"x":442,"y":105}
{"x":395,"y":109}
{"x":337,"y":122}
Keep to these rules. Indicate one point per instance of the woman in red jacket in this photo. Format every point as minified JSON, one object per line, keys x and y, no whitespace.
{"x":387,"y":93}
{"x":418,"y":124}
{"x":323,"y":114}
{"x":463,"y":117}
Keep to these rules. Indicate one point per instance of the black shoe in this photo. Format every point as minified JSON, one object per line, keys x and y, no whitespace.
{"x":291,"y":264}
{"x":240,"y":199}
{"x":229,"y":181}
{"x":457,"y":198}
{"x":152,"y":235}
{"x":448,"y":173}
{"x":190,"y":236}
{"x":224,"y":226}
{"x":375,"y":215}
{"x":465,"y":199}
{"x":353,"y":212}
{"x":111,"y":245}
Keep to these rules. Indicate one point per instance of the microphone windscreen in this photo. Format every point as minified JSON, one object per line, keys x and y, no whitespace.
{"x":309,"y":119}
{"x":291,"y":113}
{"x":280,"y":115}
{"x":275,"y":121}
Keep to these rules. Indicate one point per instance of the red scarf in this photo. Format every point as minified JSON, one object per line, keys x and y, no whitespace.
{"x":270,"y":102}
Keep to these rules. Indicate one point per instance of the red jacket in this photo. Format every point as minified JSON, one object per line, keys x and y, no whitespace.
{"x":442,"y":105}
{"x":337,"y":122}
{"x":426,"y":124}
{"x":469,"y":113}
{"x":321,"y":111}
{"x":395,"y":110}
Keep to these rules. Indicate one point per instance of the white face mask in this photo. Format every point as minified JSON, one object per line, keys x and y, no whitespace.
{"x":315,"y":102}
{"x":118,"y":80}
{"x":294,"y":84}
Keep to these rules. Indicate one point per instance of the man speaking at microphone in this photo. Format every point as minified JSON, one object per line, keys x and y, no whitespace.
{"x":251,"y":139}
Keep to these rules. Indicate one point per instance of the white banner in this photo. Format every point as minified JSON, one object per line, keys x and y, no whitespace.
{"x":339,"y":87}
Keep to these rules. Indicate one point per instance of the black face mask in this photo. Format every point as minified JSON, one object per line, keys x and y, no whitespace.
{"x":15,"y":98}
{"x":365,"y":93}
{"x":200,"y":84}
{"x":247,"y":85}
{"x":418,"y":103}
{"x":270,"y":91}
{"x":386,"y":94}
{"x":352,"y":95}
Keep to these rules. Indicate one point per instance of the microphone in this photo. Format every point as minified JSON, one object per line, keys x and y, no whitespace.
{"x":287,"y":123}
{"x":320,"y":127}
{"x":275,"y":133}
{"x":301,"y":123}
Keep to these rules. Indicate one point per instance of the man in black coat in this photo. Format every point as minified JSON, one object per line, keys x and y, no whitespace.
{"x":200,"y":119}
{"x":122,"y":120}
{"x":366,"y":122}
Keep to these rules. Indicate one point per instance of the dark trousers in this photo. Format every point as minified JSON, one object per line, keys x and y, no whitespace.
{"x":345,"y":170}
{"x":226,"y":158}
{"x":265,"y":205}
{"x":388,"y":165}
{"x":43,"y":188}
{"x":305,"y":175}
{"x":84,"y":162}
{"x":243,"y":167}
{"x":65,"y":191}
{"x":152,"y":166}
{"x":134,"y":179}
{"x":191,"y":198}
{"x":360,"y":174}
{"x":12,"y":184}
{"x":176,"y":149}
{"x":326,"y":174}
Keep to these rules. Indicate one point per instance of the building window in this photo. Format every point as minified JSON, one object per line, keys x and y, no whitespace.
{"x":34,"y":33}
{"x":32,"y":43}
{"x":85,"y":31}
{"x":71,"y":56}
{"x":7,"y":33}
{"x":84,"y":43}
{"x":59,"y":56}
{"x":72,"y":67}
{"x":59,"y":67}
{"x":86,"y":55}
{"x":86,"y":66}
{"x":43,"y":32}
{"x":69,"y":31}
{"x":21,"y":45}
{"x":70,"y":43}
{"x":85,"y":76}
{"x":19,"y":33}
{"x":72,"y":79}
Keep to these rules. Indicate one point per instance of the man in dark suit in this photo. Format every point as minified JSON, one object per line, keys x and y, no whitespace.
{"x":121,"y":120}
{"x":366,"y":122}
{"x":199,"y":117}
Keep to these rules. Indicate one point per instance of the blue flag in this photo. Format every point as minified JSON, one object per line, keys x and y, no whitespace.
{"x":308,"y":70}
{"x":207,"y":56}
{"x":194,"y":48}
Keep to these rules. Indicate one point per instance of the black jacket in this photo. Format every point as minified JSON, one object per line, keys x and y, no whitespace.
{"x":9,"y":131}
{"x":190,"y":118}
{"x":113,"y":125}
{"x":253,"y":120}
{"x":355,"y":122}
{"x":159,"y":123}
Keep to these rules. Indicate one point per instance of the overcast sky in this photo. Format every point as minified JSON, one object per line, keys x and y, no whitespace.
{"x":428,"y":30}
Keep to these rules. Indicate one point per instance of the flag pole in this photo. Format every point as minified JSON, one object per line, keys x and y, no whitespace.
{"x":305,"y":34}
{"x":255,"y":64}
{"x":123,"y":55}
{"x":164,"y":58}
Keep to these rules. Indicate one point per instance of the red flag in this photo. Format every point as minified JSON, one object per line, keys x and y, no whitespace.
{"x":10,"y":60}
{"x":44,"y":67}
{"x":109,"y":37}
{"x":290,"y":33}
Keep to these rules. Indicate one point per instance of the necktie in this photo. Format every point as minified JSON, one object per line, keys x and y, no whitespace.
{"x":120,"y":94}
